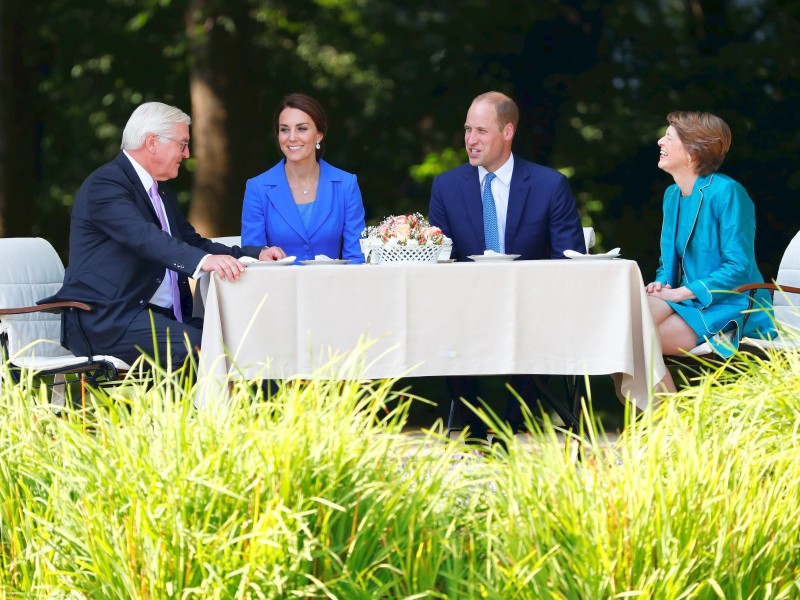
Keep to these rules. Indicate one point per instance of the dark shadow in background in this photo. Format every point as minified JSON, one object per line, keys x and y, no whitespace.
{"x":606,"y":407}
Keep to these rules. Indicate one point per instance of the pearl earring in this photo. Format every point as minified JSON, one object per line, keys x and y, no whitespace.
{"x":318,"y":146}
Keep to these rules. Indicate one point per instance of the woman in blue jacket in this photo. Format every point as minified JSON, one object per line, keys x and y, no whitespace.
{"x":303,"y":204}
{"x":706,"y":243}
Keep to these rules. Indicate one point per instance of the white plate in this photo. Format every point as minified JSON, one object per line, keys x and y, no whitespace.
{"x":494,"y":257}
{"x":578,"y":256}
{"x":252,"y":262}
{"x":333,"y":261}
{"x":446,"y":260}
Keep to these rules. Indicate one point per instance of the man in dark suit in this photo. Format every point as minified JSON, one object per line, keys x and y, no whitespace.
{"x":131,"y":250}
{"x":503,"y":203}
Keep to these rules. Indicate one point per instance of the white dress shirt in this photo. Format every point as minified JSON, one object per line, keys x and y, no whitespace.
{"x":501,"y":185}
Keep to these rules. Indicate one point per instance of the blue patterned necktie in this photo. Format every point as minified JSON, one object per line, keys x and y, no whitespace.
{"x":490,"y":215}
{"x":158,"y":204}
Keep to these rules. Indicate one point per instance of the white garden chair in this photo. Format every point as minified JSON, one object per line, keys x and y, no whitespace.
{"x":30,"y":269}
{"x":786,"y":301}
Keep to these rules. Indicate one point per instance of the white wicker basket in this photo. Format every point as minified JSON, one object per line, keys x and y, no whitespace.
{"x":405,"y":254}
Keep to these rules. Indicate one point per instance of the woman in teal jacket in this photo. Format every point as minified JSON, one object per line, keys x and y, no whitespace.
{"x":706,"y":243}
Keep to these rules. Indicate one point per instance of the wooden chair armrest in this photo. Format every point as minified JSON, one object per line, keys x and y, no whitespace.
{"x":53,"y":307}
{"x":750,"y":287}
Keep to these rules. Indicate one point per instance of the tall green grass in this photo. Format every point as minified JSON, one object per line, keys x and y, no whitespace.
{"x":317,"y":492}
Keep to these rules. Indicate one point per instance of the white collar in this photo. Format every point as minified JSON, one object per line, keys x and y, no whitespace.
{"x":503,"y":173}
{"x":146,"y":178}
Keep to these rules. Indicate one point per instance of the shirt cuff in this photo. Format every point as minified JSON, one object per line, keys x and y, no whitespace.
{"x":198,"y":272}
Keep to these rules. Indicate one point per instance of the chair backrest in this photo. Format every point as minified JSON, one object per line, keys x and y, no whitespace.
{"x":787,"y":306}
{"x":588,"y":237}
{"x":30,"y":269}
{"x":229,"y":240}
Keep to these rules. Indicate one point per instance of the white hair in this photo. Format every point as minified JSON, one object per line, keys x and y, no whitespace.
{"x":151,"y":117}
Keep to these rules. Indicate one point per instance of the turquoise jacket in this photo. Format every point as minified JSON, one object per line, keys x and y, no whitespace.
{"x":718,"y":257}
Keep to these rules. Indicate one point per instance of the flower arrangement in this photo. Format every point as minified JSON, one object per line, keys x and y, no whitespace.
{"x":404,"y":238}
{"x":405,"y":230}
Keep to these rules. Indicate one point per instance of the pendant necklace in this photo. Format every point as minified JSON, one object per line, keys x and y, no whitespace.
{"x":307,"y":186}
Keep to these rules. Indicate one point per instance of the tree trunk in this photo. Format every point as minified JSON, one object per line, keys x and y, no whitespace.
{"x":222,"y":109}
{"x":17,"y":125}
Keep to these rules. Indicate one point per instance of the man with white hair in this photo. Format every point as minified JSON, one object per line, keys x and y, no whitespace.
{"x":131,"y":250}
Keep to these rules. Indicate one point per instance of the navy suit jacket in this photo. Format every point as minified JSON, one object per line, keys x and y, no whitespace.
{"x":118,"y":252}
{"x":542,"y":219}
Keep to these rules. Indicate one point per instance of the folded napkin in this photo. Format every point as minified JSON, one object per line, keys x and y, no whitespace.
{"x":588,"y":234}
{"x":323,"y":257}
{"x":492,"y":253}
{"x":610,"y":254}
{"x":249,"y":260}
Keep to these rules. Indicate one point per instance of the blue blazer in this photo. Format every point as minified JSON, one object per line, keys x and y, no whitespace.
{"x":118,"y":253}
{"x":270,"y":216}
{"x":542,"y":219}
{"x":718,"y":257}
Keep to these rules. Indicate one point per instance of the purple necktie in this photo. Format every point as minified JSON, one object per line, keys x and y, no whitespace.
{"x":173,"y":276}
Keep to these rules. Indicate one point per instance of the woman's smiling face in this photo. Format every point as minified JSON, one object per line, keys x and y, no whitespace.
{"x":673,"y":156}
{"x":297,"y":135}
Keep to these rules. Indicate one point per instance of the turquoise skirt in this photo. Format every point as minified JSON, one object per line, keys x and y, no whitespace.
{"x":727,"y":315}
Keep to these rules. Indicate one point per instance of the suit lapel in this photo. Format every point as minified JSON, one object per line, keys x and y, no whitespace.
{"x":673,"y":269}
{"x":280,"y":196}
{"x":701,"y":184}
{"x":670,"y":256}
{"x":517,"y":196}
{"x":141,"y":194}
{"x":471,"y":192}
{"x":672,"y":219}
{"x":323,"y":205}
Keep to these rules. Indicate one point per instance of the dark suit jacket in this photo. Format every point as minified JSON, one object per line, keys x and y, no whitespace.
{"x":542,"y":219}
{"x":118,"y":253}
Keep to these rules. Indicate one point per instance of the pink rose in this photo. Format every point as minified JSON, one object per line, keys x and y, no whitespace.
{"x":402,"y":231}
{"x":433,"y":235}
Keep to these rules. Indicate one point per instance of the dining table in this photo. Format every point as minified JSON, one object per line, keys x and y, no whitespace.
{"x":375,"y":321}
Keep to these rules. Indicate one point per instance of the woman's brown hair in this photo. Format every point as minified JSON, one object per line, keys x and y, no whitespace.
{"x":706,"y":137}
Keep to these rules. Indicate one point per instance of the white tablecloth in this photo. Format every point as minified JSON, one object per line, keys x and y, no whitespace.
{"x":581,"y":317}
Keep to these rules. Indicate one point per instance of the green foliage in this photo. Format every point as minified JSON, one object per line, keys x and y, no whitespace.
{"x":434,"y":164}
{"x":317,"y":492}
{"x":594,"y":81}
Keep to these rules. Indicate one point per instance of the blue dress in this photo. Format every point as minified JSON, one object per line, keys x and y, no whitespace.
{"x":707,"y":244}
{"x":306,"y":210}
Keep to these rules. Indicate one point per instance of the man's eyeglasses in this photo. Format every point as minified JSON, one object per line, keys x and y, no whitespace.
{"x":184,"y":145}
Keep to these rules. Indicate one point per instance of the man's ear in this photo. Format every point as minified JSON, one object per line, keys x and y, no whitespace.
{"x":508,"y":131}
{"x":150,"y":142}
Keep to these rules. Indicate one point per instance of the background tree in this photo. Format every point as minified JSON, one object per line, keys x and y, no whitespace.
{"x":594,"y":80}
{"x":222,"y":89}
{"x":20,"y":121}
